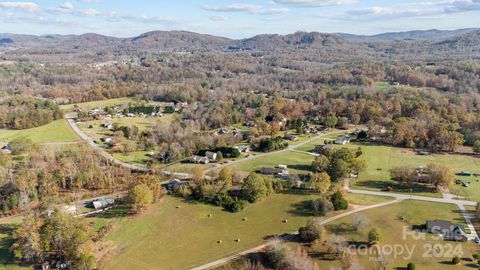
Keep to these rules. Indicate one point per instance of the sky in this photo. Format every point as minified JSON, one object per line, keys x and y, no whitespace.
{"x":234,"y":18}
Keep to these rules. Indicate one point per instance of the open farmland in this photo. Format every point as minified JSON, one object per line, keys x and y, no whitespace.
{"x":165,"y":231}
{"x":56,"y":132}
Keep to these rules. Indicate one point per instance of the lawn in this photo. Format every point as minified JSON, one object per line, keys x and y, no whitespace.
{"x":99,"y":103}
{"x":360,"y":199}
{"x":97,"y":131}
{"x":7,"y":226}
{"x":380,"y":159}
{"x":382,"y":85}
{"x":57,"y":131}
{"x":296,"y":162}
{"x":186,"y":166}
{"x":138,"y":157}
{"x":158,"y":238}
{"x":386,"y":220}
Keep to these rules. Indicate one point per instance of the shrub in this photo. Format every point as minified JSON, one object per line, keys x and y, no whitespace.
{"x":322,"y":206}
{"x":410,"y":266}
{"x":236,"y":206}
{"x":456,"y":260}
{"x":374,"y":237}
{"x":339,"y":203}
{"x":311,"y":232}
{"x":21,"y":145}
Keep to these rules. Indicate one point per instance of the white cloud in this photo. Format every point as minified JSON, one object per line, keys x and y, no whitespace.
{"x":315,"y":3}
{"x":67,"y":6}
{"x":421,"y":9}
{"x":250,"y":8}
{"x":89,"y":12}
{"x":26,"y":6}
{"x":218,"y":18}
{"x":455,"y":6}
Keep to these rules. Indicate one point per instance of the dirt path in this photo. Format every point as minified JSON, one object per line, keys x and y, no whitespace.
{"x":263,"y":246}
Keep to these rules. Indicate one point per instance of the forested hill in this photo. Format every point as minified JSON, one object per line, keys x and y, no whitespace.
{"x":432,"y":34}
{"x":433,"y":44}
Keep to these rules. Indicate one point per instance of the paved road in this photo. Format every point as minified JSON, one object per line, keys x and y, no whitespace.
{"x":412,"y":197}
{"x":102,"y":151}
{"x":263,"y":246}
{"x":468,"y":218}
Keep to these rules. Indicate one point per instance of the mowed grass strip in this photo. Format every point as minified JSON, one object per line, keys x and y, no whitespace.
{"x":97,"y":103}
{"x":360,"y":199}
{"x":296,"y":162}
{"x":391,"y":227}
{"x":167,"y":237}
{"x":57,"y":131}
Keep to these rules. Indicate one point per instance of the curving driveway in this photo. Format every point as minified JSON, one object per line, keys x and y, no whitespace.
{"x":102,"y":151}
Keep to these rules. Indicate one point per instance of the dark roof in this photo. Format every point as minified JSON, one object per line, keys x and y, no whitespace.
{"x":443,"y":225}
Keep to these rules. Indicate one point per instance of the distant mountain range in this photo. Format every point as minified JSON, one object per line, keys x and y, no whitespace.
{"x":429,"y":42}
{"x":432,"y":34}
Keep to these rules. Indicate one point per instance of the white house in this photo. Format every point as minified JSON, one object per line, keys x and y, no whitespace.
{"x":70,"y":209}
{"x":199,"y":159}
{"x":342,"y":140}
{"x":5,"y":148}
{"x":211,"y":156}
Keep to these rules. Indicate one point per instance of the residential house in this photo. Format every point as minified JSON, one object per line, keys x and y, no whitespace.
{"x":222,"y":131}
{"x":199,"y":159}
{"x":212,"y":156}
{"x":273,"y":171}
{"x":70,"y":209}
{"x":107,"y":140}
{"x":176,"y":183}
{"x":108,"y":126}
{"x":342,"y":140}
{"x":290,"y":137}
{"x":448,"y":230}
{"x":321,"y":148}
{"x":5,"y":148}
{"x":103,"y":203}
{"x":244,"y":148}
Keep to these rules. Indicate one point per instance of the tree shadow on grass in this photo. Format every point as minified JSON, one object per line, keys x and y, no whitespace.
{"x":382,"y":185}
{"x":6,"y":257}
{"x":300,"y":167}
{"x":120,"y":211}
{"x":342,"y":228}
{"x":302,"y":209}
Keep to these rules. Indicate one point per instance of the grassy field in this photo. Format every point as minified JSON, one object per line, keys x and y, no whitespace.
{"x":97,"y":131}
{"x":6,"y":228}
{"x":158,"y":238}
{"x":360,"y":199}
{"x":57,"y":131}
{"x":386,"y":220}
{"x":98,"y":103}
{"x":296,"y":162}
{"x":380,"y":159}
{"x":138,"y":157}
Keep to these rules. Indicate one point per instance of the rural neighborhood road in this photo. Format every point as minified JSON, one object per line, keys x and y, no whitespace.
{"x":412,"y":197}
{"x":100,"y":150}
